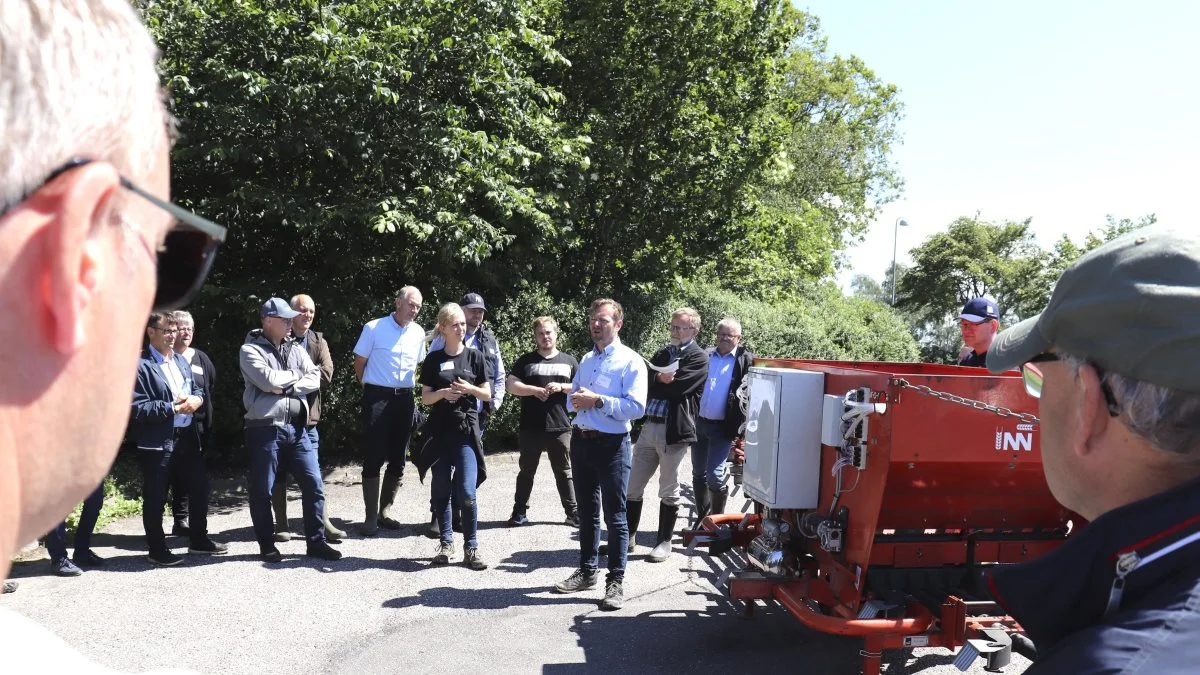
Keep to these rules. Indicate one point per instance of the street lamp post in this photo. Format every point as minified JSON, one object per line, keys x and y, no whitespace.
{"x":895,"y":243}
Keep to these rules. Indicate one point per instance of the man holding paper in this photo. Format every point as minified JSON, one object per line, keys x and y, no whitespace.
{"x":671,"y":407}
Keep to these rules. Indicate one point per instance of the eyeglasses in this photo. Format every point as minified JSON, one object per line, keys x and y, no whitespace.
{"x":1033,"y":377}
{"x":186,"y":255}
{"x":680,"y":329}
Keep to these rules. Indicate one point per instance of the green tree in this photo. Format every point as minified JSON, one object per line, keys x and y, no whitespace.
{"x":352,"y":147}
{"x":974,"y":258}
{"x":677,"y":97}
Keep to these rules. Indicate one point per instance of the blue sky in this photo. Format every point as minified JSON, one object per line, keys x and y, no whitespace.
{"x":1059,"y":111}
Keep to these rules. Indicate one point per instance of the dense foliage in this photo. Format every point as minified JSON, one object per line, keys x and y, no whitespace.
{"x":541,"y":152}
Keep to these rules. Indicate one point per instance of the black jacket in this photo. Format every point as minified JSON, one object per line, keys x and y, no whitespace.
{"x":734,"y":417}
{"x":207,"y":379}
{"x":683,"y":393}
{"x":1061,"y":598}
{"x":152,"y":422}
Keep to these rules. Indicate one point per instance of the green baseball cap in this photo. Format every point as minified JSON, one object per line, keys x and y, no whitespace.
{"x":1131,"y":306}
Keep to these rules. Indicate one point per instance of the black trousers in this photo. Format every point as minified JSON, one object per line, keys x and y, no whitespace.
{"x":387,"y":419}
{"x":181,"y":457}
{"x":557,"y":446}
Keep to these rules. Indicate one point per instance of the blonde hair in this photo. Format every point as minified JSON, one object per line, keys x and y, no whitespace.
{"x":692,"y":316}
{"x":78,"y":78}
{"x":445,"y":315}
{"x":549,"y":320}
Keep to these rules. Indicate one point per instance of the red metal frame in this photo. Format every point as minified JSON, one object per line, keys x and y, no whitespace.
{"x":944,"y":484}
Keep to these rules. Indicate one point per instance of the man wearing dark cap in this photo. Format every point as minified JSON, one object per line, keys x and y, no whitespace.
{"x":477,"y":337}
{"x":979,"y":322}
{"x":1115,"y":363}
{"x":279,"y":377}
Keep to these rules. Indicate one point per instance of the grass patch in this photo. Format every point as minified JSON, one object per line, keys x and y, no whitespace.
{"x":122,"y":494}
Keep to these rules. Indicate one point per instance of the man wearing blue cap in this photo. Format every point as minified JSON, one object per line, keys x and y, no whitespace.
{"x":979,"y":322}
{"x":279,"y":377}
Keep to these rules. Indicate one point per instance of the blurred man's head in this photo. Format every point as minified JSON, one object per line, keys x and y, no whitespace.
{"x":408,"y":304}
{"x":77,"y":247}
{"x":277,"y":317}
{"x":473,"y":309}
{"x":1115,"y":362}
{"x":306,"y":312}
{"x":979,"y":322}
{"x":545,"y":334}
{"x":162,"y":332}
{"x":185,"y":327}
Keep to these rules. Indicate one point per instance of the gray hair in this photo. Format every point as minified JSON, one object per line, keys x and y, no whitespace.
{"x":77,"y":79}
{"x":730,"y":323}
{"x":689,"y":314}
{"x":1169,"y":419}
{"x":182,"y":317}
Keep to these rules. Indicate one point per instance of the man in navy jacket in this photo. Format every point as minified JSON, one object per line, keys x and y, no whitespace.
{"x":1115,"y":363}
{"x":165,"y":398}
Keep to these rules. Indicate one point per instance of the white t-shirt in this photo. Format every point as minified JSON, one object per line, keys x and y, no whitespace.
{"x":392,"y":352}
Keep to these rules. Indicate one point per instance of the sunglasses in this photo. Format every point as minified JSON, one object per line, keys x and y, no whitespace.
{"x":186,"y":255}
{"x":1033,"y":377}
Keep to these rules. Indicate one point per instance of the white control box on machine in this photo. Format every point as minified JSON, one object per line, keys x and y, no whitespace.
{"x":783,"y":437}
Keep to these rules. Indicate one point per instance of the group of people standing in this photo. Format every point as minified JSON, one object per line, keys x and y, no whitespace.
{"x":579,"y":413}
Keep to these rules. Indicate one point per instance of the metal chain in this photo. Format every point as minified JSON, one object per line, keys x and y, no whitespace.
{"x":970,"y":403}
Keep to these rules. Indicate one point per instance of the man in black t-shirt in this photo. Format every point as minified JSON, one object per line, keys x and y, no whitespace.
{"x":541,"y":378}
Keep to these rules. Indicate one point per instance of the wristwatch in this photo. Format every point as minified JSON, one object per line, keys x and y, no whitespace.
{"x":599,"y":404}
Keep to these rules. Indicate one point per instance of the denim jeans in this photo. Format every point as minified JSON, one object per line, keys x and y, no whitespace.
{"x":56,"y":539}
{"x":455,"y":472}
{"x":156,"y":472}
{"x":314,"y":439}
{"x":601,"y":472}
{"x":709,"y":453}
{"x":289,"y":446}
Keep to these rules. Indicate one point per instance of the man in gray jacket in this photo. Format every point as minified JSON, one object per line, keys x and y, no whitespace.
{"x":279,"y":377}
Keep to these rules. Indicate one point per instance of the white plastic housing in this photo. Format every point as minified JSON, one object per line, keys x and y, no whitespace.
{"x":783,"y":437}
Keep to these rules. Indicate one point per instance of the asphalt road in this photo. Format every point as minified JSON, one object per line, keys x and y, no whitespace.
{"x":385,"y":609}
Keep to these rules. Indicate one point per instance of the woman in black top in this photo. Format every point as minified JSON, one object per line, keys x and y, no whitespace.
{"x":453,"y":382}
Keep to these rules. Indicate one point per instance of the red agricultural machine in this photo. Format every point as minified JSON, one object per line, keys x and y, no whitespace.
{"x":882,"y":494}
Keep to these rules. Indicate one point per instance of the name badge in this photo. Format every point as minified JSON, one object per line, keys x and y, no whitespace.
{"x":603,"y":381}
{"x":446,"y":365}
{"x":198,"y":370}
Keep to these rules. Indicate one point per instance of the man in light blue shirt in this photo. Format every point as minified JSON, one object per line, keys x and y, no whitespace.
{"x":608,"y":393}
{"x":386,"y":359}
{"x":720,"y":419}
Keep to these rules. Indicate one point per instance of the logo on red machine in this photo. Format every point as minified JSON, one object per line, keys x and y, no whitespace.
{"x":1015,"y":441}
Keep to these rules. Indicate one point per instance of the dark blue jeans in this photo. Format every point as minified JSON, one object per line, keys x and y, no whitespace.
{"x":455,"y":472}
{"x":56,"y":539}
{"x":709,"y":453}
{"x":156,"y":472}
{"x":289,"y":446}
{"x":601,"y":473}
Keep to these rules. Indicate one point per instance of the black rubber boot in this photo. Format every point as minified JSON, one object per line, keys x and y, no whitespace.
{"x":370,"y":526}
{"x":719,"y":497}
{"x":703,"y":504}
{"x":667,"y":515}
{"x":387,"y":496}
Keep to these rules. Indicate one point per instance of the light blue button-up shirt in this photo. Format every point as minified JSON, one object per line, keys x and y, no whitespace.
{"x":618,"y":375}
{"x":178,"y":379}
{"x":392,"y":352}
{"x":716,"y":388}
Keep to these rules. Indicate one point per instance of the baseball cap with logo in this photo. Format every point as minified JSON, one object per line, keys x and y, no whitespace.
{"x":277,"y":307}
{"x":980,"y":309}
{"x":472,"y":301}
{"x":1131,"y":306}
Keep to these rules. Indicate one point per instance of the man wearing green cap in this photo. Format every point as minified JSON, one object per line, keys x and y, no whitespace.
{"x":1115,"y":363}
